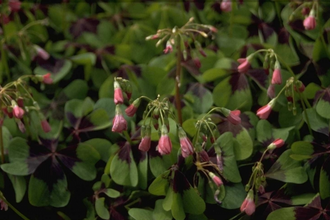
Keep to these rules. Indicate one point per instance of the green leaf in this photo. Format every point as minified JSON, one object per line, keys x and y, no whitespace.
{"x":177,"y":207}
{"x":301,"y":150}
{"x":213,"y":74}
{"x":222,"y":93}
{"x":324,"y":183}
{"x":102,"y":146}
{"x":159,"y":185}
{"x":85,"y":169}
{"x":192,"y":202}
{"x":283,"y":214}
{"x":243,"y":145}
{"x":39,"y":194}
{"x":159,"y":213}
{"x":124,"y":172}
{"x":322,"y":108}
{"x":302,"y":199}
{"x":100,"y":208}
{"x":230,"y":169}
{"x":140,"y":214}
{"x":19,"y":185}
{"x":76,"y":90}
{"x":316,"y":122}
{"x":143,"y":170}
{"x":189,"y":126}
{"x":264,"y":131}
{"x":287,"y":170}
{"x":90,"y":215}
{"x":235,"y":194}
{"x":84,"y":59}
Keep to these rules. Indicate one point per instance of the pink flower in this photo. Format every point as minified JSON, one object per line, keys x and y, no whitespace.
{"x":145,"y":143}
{"x":264,"y":111}
{"x":164,"y":143}
{"x":310,"y":22}
{"x":277,"y":78}
{"x":119,"y":123}
{"x":3,"y":205}
{"x":216,"y":179}
{"x":271,"y":91}
{"x":21,"y":126}
{"x":131,"y":110}
{"x":14,"y":5}
{"x":197,"y":63}
{"x":186,"y":147}
{"x":168,"y":47}
{"x":276,"y":144}
{"x":18,"y":112}
{"x":244,"y":65}
{"x":45,"y":126}
{"x":202,"y":52}
{"x":118,"y":94}
{"x":248,"y":206}
{"x":234,"y":118}
{"x":46,"y":79}
{"x":213,"y":29}
{"x":225,"y":5}
{"x":42,"y":53}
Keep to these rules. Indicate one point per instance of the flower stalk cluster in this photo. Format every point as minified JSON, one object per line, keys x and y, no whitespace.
{"x":16,"y":102}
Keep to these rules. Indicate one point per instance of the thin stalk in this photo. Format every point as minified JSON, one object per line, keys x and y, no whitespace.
{"x":2,"y":147}
{"x":177,"y":83}
{"x":128,"y":138}
{"x":12,"y":207}
{"x":305,"y":113}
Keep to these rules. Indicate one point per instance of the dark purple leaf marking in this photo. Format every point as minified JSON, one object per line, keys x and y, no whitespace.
{"x":124,"y":153}
{"x":84,"y":25}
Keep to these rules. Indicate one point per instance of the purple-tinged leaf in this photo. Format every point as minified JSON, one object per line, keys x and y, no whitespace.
{"x":84,"y":25}
{"x":259,"y":76}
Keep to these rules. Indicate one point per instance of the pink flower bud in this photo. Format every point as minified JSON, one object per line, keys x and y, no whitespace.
{"x":131,"y":110}
{"x":197,"y":62}
{"x":277,"y":78}
{"x":145,"y":143}
{"x":213,"y":29}
{"x":234,"y":118}
{"x":45,"y":126}
{"x":310,"y":23}
{"x":186,"y":145}
{"x":216,"y":179}
{"x":164,"y":143}
{"x":18,"y":112}
{"x":202,"y":52}
{"x":3,"y":205}
{"x":118,"y":94}
{"x":276,"y":144}
{"x":14,"y":5}
{"x":119,"y":123}
{"x":168,"y":47}
{"x":248,"y":206}
{"x":244,"y":65}
{"x":225,"y":5}
{"x":42,"y":53}
{"x":271,"y":91}
{"x":264,"y":111}
{"x":47,"y":78}
{"x":21,"y":126}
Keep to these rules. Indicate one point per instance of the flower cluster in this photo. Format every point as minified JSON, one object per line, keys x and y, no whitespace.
{"x":16,"y":101}
{"x":257,"y":179}
{"x":179,"y":37}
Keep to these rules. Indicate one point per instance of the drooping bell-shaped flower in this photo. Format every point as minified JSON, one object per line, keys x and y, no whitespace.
{"x":46,"y":79}
{"x":248,"y":206}
{"x":45,"y":126}
{"x":310,"y":22}
{"x":244,"y":65}
{"x":215,"y":179}
{"x":264,"y":111}
{"x":18,"y":112}
{"x":277,"y":78}
{"x":225,"y":5}
{"x":119,"y":123}
{"x":276,"y":144}
{"x":186,"y":145}
{"x":146,"y":138}
{"x":164,"y":143}
{"x":234,"y":118}
{"x":118,"y":93}
{"x":131,"y":110}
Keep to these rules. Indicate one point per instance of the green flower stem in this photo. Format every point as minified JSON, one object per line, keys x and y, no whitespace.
{"x":177,"y":83}
{"x":305,"y":113}
{"x":128,"y":138}
{"x":2,"y":147}
{"x":12,"y":207}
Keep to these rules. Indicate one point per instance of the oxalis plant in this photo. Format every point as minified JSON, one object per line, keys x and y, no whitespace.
{"x":159,"y":110}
